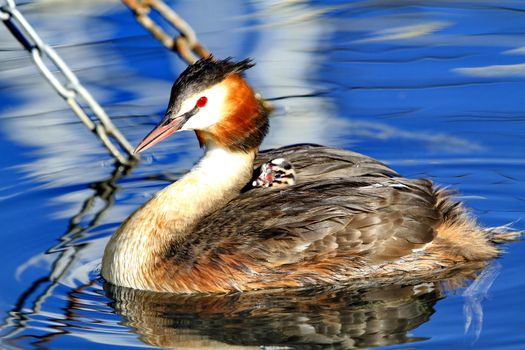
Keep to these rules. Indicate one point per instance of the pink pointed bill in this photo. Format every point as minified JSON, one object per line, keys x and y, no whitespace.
{"x":159,"y":133}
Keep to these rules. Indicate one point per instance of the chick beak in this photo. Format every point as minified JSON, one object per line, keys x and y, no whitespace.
{"x":165,"y":128}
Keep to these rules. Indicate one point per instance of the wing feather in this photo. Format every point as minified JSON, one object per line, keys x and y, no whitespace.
{"x":359,"y":210}
{"x":286,"y":226}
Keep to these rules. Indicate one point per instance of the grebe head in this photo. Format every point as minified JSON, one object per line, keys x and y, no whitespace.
{"x":213,"y":99}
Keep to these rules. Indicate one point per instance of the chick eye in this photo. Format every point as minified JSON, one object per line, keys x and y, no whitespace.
{"x":201,"y":102}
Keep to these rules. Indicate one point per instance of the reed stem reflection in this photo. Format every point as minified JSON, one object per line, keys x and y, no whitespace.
{"x":32,"y":301}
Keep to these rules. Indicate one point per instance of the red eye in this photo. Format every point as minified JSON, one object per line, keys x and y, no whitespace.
{"x":201,"y":102}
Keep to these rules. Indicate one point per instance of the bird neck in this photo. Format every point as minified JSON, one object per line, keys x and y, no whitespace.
{"x":214,"y":181}
{"x":170,"y":216}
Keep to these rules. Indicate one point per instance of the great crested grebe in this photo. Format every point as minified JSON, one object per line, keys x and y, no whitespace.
{"x":338,"y":216}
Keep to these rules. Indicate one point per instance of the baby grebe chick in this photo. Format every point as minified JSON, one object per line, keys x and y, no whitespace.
{"x":275,"y":173}
{"x":340,"y":215}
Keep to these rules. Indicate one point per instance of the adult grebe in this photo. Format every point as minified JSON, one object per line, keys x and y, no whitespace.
{"x":347,"y":217}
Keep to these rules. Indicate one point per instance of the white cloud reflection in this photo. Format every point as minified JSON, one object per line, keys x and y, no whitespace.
{"x":405,"y":32}
{"x":509,"y":70}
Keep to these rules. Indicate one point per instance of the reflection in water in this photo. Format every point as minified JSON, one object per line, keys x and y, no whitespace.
{"x":332,"y":318}
{"x":346,"y":319}
{"x":102,"y":190}
{"x":340,"y":318}
{"x":475,"y":294}
{"x":70,"y":247}
{"x":387,"y":77}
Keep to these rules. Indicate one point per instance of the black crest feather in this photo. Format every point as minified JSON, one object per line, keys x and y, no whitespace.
{"x":204,"y":73}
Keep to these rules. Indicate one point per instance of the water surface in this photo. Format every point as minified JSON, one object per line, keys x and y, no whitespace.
{"x":435,"y":89}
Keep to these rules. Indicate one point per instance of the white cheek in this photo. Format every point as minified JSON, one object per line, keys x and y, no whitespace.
{"x":209,"y":114}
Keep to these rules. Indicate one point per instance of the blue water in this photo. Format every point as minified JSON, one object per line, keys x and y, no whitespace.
{"x":435,"y":89}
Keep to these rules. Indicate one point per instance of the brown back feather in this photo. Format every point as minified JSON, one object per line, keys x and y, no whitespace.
{"x":311,"y":231}
{"x":349,"y":216}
